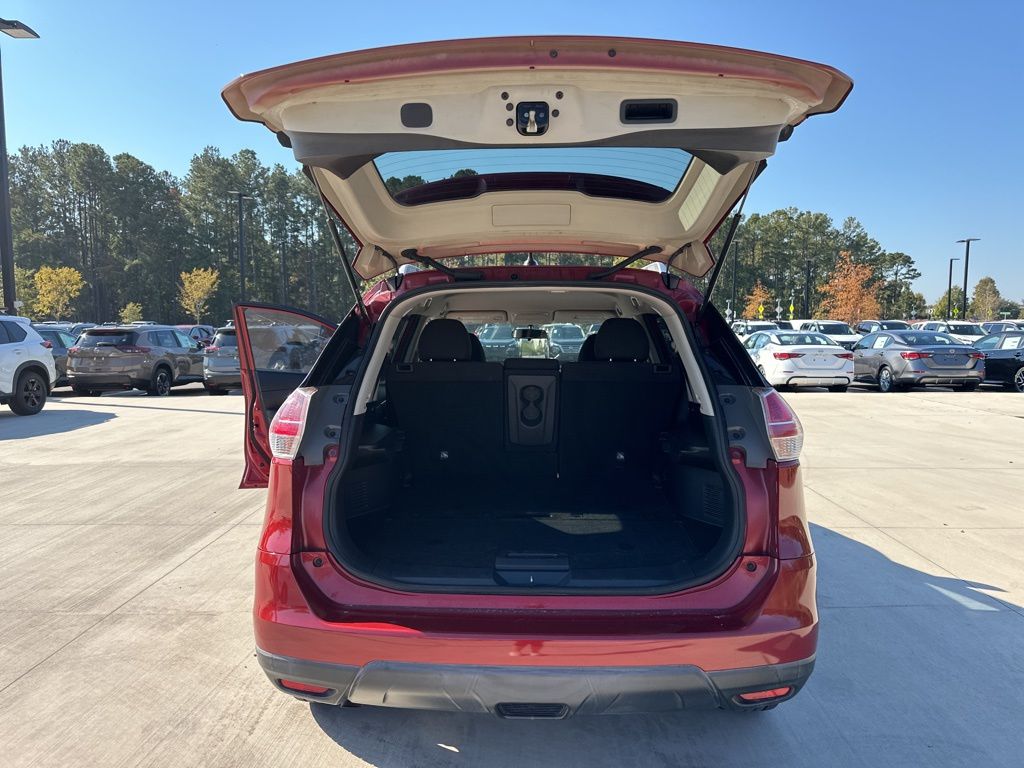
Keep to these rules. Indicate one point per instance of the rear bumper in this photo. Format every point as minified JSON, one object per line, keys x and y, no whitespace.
{"x":101,"y":380}
{"x":534,"y":691}
{"x":941,"y":378}
{"x":223,"y":380}
{"x":817,"y":381}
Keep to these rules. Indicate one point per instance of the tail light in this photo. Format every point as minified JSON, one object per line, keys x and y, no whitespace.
{"x":977,"y":355}
{"x":47,"y":344}
{"x":915,"y":355}
{"x":289,"y":423}
{"x":210,"y":350}
{"x":786,"y":355}
{"x":785,"y":432}
{"x":73,"y":350}
{"x":845,"y":355}
{"x":132,"y":348}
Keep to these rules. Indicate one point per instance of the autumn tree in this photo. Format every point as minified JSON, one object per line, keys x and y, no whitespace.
{"x":56,"y":289}
{"x":851,"y":294}
{"x":758,"y":302}
{"x":131,"y":312}
{"x":195,"y":290}
{"x":986,"y":300}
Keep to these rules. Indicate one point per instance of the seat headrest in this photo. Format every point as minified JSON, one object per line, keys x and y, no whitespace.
{"x":621,"y":339}
{"x":445,"y":340}
{"x":586,"y":354}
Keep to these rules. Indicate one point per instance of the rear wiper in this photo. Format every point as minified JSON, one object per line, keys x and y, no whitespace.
{"x":648,"y":251}
{"x":413,"y":255}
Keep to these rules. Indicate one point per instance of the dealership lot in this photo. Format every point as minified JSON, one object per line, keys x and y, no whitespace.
{"x":125,"y":579}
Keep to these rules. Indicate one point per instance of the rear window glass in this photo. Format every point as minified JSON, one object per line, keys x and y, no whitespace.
{"x":893,"y":325}
{"x":563,"y":342}
{"x":648,"y":174}
{"x":225,"y":339}
{"x":926,"y":339}
{"x":966,"y":329}
{"x":111,"y":338}
{"x":804,"y":339}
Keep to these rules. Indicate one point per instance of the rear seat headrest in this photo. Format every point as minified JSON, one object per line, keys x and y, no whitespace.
{"x":621,"y":339}
{"x":445,"y":340}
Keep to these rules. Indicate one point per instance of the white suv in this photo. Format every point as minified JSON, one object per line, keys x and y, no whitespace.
{"x":27,"y":372}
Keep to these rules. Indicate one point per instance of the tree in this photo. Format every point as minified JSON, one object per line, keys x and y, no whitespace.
{"x":986,"y":300}
{"x":25,"y":289}
{"x":56,"y":289}
{"x":131,"y":312}
{"x":196,"y":289}
{"x":939,"y":307}
{"x":758,"y":302}
{"x":850,"y":294}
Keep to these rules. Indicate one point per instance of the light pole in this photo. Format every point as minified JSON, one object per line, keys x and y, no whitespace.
{"x":967,"y":263}
{"x":949,"y":290}
{"x":14,"y":29}
{"x":241,"y":196}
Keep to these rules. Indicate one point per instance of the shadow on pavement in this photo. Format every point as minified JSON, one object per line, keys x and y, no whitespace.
{"x":912,"y":669}
{"x":48,"y":422}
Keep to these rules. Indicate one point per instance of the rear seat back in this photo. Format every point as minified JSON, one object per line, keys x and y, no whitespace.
{"x":614,"y":407}
{"x":448,"y":403}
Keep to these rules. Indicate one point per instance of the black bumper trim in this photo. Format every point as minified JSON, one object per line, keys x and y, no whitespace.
{"x":583,"y":690}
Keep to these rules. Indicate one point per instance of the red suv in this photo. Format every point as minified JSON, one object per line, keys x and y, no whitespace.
{"x":451,"y":528}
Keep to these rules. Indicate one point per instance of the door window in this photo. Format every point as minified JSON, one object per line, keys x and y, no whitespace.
{"x":283,"y":341}
{"x":183,"y":340}
{"x":4,"y":338}
{"x":1012,"y":342}
{"x":15,"y":331}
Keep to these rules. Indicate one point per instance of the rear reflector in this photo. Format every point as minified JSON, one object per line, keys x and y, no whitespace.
{"x":915,"y":355}
{"x":784,"y":429}
{"x":774,"y":693}
{"x":294,"y":685}
{"x":289,"y":423}
{"x":786,"y":355}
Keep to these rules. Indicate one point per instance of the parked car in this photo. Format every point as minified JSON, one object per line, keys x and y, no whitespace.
{"x":27,"y":371}
{"x":1002,"y":326}
{"x":895,"y":360}
{"x":530,"y":538}
{"x":564,"y":341}
{"x":873,"y":326}
{"x":744,"y":328}
{"x":1004,"y":359}
{"x":800,"y":359}
{"x":220,"y":363}
{"x":498,"y":342}
{"x":965,"y":332}
{"x":150,"y":357}
{"x":201,"y":334}
{"x":58,"y":341}
{"x":841,"y":333}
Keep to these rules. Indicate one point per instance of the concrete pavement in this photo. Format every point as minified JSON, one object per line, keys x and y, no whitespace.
{"x":125,"y":580}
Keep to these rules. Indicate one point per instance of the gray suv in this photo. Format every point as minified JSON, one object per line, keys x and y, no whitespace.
{"x":150,"y":357}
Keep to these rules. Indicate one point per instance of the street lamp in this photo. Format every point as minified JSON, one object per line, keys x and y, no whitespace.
{"x":242,"y":196}
{"x":967,"y":263}
{"x":949,"y":290}
{"x":14,"y":29}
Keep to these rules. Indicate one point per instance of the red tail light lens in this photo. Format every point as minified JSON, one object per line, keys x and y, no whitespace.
{"x":845,"y":355}
{"x":131,"y":348}
{"x":210,"y":350}
{"x":289,"y":423}
{"x":977,"y":355}
{"x":73,"y":350}
{"x":784,"y":429}
{"x":47,"y":344}
{"x":915,"y":355}
{"x":786,"y":355}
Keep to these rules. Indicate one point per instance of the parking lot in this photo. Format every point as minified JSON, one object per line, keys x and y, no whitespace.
{"x":125,"y":579}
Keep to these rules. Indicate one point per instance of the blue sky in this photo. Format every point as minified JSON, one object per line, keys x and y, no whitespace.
{"x":928,"y":148}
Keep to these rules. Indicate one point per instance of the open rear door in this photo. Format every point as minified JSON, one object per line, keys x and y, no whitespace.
{"x":276,"y":348}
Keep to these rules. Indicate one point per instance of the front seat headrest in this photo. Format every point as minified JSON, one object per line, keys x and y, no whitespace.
{"x":621,"y":339}
{"x":445,"y":340}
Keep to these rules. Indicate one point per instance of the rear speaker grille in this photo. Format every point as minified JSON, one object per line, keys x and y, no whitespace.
{"x":532,"y":711}
{"x":713,"y":503}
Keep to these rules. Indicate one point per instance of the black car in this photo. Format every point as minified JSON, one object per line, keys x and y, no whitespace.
{"x":498,"y":342}
{"x":59,"y":340}
{"x":1004,"y":359}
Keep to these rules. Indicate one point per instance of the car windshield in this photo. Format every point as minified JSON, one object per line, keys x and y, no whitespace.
{"x":648,"y":174}
{"x":804,"y":339}
{"x":893,"y":325}
{"x":926,"y":339}
{"x":105,"y":338}
{"x":966,"y":329}
{"x":839,"y":329}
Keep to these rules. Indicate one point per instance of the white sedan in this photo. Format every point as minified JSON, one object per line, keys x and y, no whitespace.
{"x":801,"y":359}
